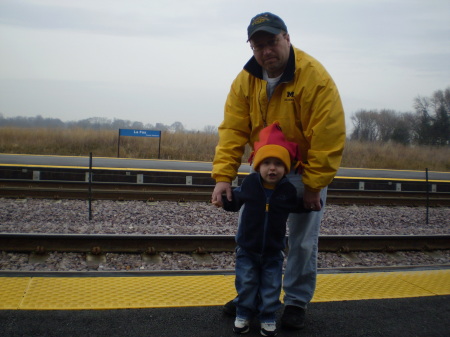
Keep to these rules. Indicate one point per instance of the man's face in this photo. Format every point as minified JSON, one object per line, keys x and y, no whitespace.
{"x":271,"y":51}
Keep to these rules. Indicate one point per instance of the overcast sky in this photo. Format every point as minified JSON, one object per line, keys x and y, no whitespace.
{"x":174,"y":60}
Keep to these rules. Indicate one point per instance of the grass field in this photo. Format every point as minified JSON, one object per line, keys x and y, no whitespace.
{"x":200,"y":147}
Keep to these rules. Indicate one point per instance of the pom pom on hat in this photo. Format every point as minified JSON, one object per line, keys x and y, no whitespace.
{"x":272,"y":143}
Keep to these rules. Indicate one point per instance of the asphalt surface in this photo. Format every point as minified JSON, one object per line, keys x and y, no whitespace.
{"x":423,"y":316}
{"x":123,"y":163}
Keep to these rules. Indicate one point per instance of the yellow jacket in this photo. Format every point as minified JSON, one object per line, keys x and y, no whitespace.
{"x":307,"y":105}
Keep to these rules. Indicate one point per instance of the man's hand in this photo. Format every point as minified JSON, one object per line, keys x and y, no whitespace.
{"x":311,"y":200}
{"x":220,"y":188}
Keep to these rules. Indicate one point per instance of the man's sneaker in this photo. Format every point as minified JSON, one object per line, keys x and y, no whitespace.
{"x":269,"y":329}
{"x":241,"y":325}
{"x":230,"y":308}
{"x":293,"y":317}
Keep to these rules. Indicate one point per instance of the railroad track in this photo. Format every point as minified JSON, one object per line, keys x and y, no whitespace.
{"x":93,"y":249}
{"x":174,"y":192}
{"x":151,"y":244}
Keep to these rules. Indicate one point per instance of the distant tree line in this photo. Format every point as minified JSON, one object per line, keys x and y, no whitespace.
{"x":428,"y":125}
{"x":96,"y":123}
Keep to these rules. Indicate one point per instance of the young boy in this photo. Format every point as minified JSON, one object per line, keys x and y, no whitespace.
{"x":267,"y":198}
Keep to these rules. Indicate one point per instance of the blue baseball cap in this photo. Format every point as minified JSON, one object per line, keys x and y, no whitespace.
{"x":266,"y":22}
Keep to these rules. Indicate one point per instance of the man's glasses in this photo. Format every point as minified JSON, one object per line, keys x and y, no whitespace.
{"x":257,"y":48}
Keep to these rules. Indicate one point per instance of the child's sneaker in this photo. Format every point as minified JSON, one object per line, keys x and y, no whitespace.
{"x":241,"y":325}
{"x":269,"y":329}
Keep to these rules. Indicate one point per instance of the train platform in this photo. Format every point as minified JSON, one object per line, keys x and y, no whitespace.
{"x":394,"y":303}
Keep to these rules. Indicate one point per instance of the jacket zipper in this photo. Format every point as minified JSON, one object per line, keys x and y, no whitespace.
{"x":266,"y":225}
{"x":266,"y":216}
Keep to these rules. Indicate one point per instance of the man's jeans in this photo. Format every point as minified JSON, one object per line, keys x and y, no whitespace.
{"x":258,"y":283}
{"x":301,"y":269}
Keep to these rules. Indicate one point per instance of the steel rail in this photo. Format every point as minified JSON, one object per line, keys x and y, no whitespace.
{"x":166,"y":192}
{"x":206,"y":272}
{"x":151,"y":244}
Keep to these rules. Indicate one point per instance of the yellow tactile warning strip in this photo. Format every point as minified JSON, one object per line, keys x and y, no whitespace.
{"x":341,"y":287}
{"x":67,"y":293}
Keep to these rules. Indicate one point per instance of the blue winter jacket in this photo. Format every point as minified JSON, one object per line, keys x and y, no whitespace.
{"x":262,"y":228}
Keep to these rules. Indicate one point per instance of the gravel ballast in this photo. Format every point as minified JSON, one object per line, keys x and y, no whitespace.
{"x":200,"y":218}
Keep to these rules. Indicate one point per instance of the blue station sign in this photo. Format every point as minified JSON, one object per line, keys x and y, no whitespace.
{"x":139,"y":133}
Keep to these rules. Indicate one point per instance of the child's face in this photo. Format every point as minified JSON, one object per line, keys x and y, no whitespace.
{"x":272,"y":170}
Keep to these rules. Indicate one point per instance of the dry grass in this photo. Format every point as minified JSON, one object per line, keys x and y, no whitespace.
{"x":395,"y":156}
{"x":200,"y":147}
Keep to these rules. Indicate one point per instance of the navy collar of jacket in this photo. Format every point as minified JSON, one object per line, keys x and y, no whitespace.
{"x":256,"y":70}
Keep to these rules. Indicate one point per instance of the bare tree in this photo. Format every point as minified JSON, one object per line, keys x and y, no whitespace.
{"x":441,"y":126}
{"x":365,"y":126}
{"x":386,"y":122}
{"x":403,"y":131}
{"x":210,"y":129}
{"x":177,"y":127}
{"x":433,"y":122}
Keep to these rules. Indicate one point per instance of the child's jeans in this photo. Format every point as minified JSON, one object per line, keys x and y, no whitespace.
{"x":258,"y":284}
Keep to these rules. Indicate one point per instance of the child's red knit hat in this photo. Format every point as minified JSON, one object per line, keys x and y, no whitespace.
{"x":272,"y":143}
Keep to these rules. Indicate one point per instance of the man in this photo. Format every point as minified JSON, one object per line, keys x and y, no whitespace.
{"x":282,"y":83}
